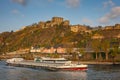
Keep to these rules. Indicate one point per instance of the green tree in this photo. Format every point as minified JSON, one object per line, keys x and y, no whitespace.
{"x":113,"y":55}
{"x":96,"y":47}
{"x":69,"y":52}
{"x":81,"y":52}
{"x":105,"y":45}
{"x":114,"y":50}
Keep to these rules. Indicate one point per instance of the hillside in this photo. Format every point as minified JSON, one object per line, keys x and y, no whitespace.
{"x":55,"y":35}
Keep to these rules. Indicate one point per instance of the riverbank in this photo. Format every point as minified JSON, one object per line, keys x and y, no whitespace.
{"x":81,"y":62}
{"x":95,"y":62}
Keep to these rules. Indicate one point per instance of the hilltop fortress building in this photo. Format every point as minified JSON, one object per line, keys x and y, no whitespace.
{"x":54,"y":21}
{"x":59,"y":20}
{"x":117,"y":26}
{"x":79,"y":28}
{"x":74,"y":28}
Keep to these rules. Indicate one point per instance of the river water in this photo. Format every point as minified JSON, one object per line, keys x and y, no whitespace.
{"x":94,"y":72}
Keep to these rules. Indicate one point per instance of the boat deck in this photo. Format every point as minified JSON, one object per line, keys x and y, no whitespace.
{"x":47,"y":66}
{"x":32,"y":64}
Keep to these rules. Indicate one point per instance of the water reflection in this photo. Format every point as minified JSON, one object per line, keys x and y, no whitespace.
{"x":103,"y":72}
{"x":79,"y":75}
{"x":105,"y":67}
{"x":17,"y":73}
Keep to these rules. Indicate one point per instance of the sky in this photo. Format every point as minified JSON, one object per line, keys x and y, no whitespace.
{"x":15,"y":14}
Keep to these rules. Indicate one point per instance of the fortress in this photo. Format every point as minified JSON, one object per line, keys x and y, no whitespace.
{"x":53,"y":22}
{"x":59,"y":20}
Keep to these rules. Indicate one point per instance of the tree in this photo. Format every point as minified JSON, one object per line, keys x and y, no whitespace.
{"x":113,"y":55}
{"x":81,"y":52}
{"x":69,"y":51}
{"x":96,"y":47}
{"x":114,"y":51}
{"x":105,"y":47}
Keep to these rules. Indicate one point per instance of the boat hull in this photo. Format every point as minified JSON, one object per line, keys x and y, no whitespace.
{"x":74,"y":69}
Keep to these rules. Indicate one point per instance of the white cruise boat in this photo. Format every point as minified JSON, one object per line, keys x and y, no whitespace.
{"x":61,"y":64}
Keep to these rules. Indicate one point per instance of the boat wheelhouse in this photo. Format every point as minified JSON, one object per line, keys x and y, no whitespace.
{"x":51,"y":60}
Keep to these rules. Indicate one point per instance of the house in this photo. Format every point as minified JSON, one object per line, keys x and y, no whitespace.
{"x":79,"y":28}
{"x":117,"y":26}
{"x":48,"y":50}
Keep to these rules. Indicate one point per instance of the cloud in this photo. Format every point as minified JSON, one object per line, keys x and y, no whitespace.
{"x":108,"y":3}
{"x":88,"y":21}
{"x":73,"y":3}
{"x":17,"y":12}
{"x":113,"y":14}
{"x":22,"y":2}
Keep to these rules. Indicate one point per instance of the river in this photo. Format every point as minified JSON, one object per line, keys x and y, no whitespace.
{"x":94,"y":72}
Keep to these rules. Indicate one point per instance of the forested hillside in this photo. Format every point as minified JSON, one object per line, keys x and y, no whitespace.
{"x":55,"y":36}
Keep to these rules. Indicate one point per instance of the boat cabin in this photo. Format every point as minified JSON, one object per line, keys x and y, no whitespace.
{"x":50,"y":60}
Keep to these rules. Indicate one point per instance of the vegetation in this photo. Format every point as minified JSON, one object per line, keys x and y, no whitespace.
{"x":60,"y":35}
{"x":96,"y":47}
{"x":105,"y":47}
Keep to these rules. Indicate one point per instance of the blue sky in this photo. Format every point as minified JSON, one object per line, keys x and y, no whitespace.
{"x":15,"y":14}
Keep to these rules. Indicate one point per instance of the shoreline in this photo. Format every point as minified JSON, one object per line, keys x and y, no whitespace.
{"x":84,"y":62}
{"x":97,"y":63}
